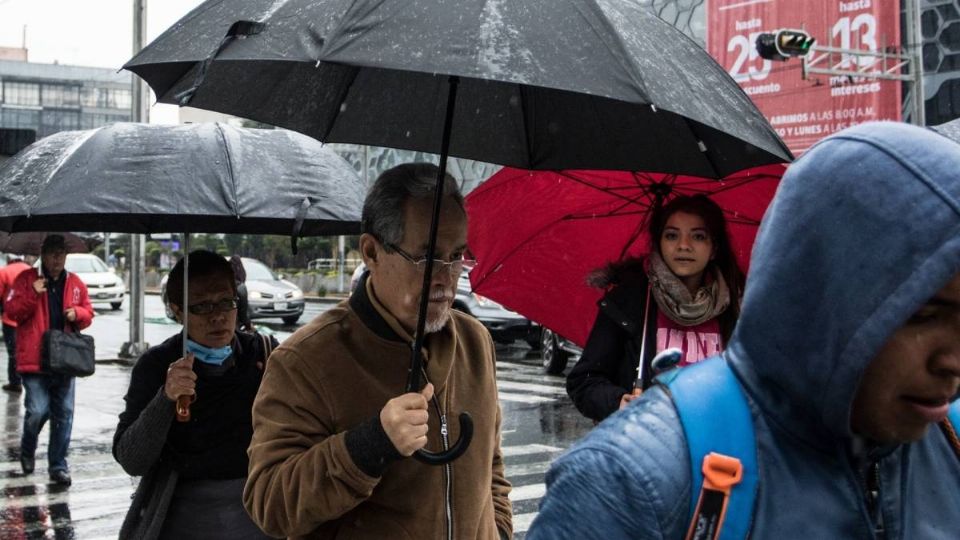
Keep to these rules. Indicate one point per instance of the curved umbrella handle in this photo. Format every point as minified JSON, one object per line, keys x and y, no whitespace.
{"x":455,"y":451}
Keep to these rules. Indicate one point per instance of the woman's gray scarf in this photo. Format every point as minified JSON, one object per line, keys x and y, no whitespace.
{"x":674,"y":299}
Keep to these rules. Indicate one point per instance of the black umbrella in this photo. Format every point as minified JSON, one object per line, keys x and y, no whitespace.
{"x":214,"y":178}
{"x":29,"y":243}
{"x":546,"y":84}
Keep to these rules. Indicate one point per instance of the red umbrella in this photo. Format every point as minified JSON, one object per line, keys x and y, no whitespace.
{"x":538,"y":234}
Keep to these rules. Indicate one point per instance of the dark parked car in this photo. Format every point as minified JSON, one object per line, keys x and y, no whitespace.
{"x":556,"y":351}
{"x":269,"y":295}
{"x":505,"y":326}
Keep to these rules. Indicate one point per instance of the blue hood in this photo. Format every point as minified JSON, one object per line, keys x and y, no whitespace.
{"x":833,"y":275}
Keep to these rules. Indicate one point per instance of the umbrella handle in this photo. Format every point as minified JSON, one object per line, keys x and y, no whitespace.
{"x":455,"y":451}
{"x":183,"y":408}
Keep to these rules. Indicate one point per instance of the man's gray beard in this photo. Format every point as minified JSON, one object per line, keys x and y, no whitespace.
{"x":437,"y":324}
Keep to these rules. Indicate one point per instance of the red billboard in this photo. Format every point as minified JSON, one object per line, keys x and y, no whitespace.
{"x":804,"y":111}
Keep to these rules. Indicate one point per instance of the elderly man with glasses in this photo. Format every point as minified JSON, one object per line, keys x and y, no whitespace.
{"x":194,"y":471}
{"x":332,"y":441}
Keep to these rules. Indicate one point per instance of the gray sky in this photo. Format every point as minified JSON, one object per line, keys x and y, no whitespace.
{"x":86,"y":32}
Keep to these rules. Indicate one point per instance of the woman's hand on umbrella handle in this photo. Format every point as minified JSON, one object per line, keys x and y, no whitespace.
{"x":180,"y":386}
{"x":627,"y":398}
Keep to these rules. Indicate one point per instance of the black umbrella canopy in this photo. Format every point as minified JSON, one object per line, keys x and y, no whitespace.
{"x":29,"y":243}
{"x":213,"y":178}
{"x":545,"y":84}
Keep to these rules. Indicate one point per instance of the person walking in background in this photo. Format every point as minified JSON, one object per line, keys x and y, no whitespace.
{"x":847,"y":354}
{"x":15,"y":265}
{"x":685,"y":295}
{"x":193,"y":472}
{"x":244,"y":323}
{"x":52,"y":298}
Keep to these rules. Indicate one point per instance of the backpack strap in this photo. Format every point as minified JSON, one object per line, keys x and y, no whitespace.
{"x":719,"y":431}
{"x":949,"y":426}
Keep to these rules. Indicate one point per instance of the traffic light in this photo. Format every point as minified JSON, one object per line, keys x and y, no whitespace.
{"x":784,"y":44}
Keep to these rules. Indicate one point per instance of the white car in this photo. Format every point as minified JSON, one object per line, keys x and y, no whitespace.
{"x":103,"y":286}
{"x":268,"y":294}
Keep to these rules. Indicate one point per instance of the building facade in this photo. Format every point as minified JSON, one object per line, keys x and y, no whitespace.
{"x":48,"y":98}
{"x":940,"y":28}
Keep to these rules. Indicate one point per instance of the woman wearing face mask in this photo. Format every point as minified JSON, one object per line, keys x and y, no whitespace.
{"x":193,"y":472}
{"x":685,"y":294}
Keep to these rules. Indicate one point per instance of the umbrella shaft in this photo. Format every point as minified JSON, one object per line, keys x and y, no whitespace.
{"x":414,"y":382}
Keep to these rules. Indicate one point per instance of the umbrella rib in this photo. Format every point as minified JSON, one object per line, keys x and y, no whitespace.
{"x":526,"y":131}
{"x":608,"y":191}
{"x":630,"y":66}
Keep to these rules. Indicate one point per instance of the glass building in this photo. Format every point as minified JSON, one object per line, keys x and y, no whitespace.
{"x":48,"y":98}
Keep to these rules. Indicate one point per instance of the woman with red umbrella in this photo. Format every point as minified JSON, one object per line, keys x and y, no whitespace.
{"x":685,"y":294}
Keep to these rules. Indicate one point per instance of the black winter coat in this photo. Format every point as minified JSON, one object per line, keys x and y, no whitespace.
{"x":608,"y":367}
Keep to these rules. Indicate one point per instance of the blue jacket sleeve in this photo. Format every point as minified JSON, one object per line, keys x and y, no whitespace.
{"x":627,"y":479}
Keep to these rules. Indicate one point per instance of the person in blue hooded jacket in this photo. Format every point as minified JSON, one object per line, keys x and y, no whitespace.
{"x":847,"y":350}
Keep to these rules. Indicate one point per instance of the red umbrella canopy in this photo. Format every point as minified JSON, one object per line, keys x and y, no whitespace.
{"x":537,"y":235}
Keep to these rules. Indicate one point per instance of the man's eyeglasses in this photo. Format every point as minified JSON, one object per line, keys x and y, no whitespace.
{"x":206,"y":308}
{"x":455,"y":266}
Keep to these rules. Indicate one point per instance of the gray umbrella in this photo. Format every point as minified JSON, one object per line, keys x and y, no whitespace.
{"x":213,"y":178}
{"x":950,"y":130}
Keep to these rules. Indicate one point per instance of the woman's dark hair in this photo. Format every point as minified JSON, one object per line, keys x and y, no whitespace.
{"x":203,"y":264}
{"x":724,"y":259}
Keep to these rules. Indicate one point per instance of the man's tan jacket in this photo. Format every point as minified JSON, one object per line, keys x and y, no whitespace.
{"x":334,"y":375}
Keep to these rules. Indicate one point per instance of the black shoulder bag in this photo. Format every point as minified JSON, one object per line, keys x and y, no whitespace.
{"x":67,"y":353}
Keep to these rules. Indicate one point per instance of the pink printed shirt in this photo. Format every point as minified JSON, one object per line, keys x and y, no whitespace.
{"x":697,"y":342}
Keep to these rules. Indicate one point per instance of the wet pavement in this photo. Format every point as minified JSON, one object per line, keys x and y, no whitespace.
{"x":539,"y":422}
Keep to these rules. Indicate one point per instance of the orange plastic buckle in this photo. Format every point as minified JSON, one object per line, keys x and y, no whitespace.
{"x":721,"y":473}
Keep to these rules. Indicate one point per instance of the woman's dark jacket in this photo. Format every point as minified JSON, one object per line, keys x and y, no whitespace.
{"x":608,"y":367}
{"x":212,"y":445}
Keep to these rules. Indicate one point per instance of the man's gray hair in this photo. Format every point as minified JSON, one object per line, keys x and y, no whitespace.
{"x":383,"y":209}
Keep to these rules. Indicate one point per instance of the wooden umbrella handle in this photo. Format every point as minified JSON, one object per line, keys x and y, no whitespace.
{"x":183,"y":408}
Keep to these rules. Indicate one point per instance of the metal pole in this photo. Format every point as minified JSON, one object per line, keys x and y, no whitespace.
{"x":340,"y":264}
{"x":915,"y":41}
{"x":136,"y":346}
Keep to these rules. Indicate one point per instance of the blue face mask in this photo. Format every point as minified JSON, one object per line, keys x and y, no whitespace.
{"x":208,"y":355}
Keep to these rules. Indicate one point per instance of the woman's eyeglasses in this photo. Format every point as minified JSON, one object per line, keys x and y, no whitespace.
{"x":206,"y":308}
{"x":455,"y":266}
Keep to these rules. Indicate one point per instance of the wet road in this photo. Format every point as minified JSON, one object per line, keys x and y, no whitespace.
{"x":539,"y":422}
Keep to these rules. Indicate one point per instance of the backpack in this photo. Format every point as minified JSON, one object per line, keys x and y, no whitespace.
{"x":718,"y":427}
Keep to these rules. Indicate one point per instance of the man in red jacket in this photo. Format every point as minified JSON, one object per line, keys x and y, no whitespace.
{"x":51,"y":298}
{"x":8,"y":273}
